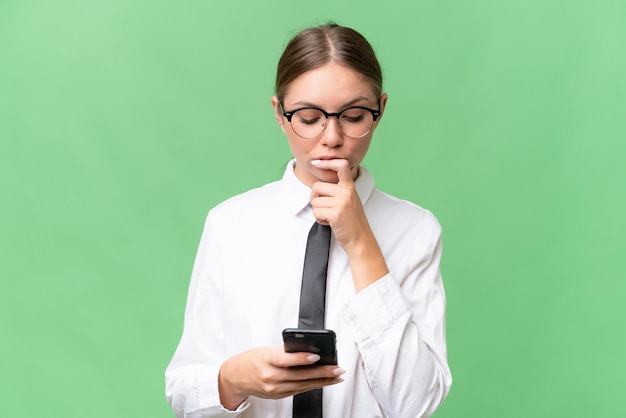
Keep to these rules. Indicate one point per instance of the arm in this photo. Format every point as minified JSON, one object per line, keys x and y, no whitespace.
{"x":399,"y":327}
{"x":192,"y":375}
{"x":398,"y":322}
{"x":339,"y":206}
{"x":202,"y":380}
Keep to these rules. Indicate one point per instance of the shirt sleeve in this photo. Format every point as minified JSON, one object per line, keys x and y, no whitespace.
{"x":191,"y":377}
{"x":399,"y":326}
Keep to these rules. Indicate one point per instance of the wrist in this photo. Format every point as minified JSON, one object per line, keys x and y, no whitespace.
{"x":231,"y":396}
{"x":367,"y":263}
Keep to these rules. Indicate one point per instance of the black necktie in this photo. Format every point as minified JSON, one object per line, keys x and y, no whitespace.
{"x":312,"y":306}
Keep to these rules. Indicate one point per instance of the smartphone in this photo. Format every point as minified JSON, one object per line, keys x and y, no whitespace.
{"x":322,"y":342}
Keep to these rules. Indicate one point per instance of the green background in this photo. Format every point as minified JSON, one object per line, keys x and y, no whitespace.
{"x":123,"y":122}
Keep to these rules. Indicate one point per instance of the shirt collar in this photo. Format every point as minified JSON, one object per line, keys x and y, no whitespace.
{"x":297,"y":194}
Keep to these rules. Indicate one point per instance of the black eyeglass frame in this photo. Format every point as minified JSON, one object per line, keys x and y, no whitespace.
{"x":289,"y":114}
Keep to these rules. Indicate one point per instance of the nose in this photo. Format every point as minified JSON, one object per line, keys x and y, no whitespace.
{"x":332,"y":136}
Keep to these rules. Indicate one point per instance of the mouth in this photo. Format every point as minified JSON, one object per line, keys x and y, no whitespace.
{"x":329,"y":157}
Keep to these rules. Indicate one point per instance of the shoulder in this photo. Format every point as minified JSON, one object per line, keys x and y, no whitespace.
{"x":386,"y":203}
{"x":390,"y":209}
{"x":247,"y":204}
{"x":400,"y":214}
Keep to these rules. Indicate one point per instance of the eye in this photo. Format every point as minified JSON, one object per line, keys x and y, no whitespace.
{"x":309,"y":116}
{"x":353,"y":115}
{"x":309,"y":121}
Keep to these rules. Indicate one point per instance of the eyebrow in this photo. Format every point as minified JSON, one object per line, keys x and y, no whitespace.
{"x":348,"y":104}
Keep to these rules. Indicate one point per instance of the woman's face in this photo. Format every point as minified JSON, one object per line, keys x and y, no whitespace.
{"x":332,"y":87}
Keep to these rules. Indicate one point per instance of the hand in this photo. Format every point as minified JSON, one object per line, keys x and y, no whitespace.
{"x":339,"y":206}
{"x":273,"y":374}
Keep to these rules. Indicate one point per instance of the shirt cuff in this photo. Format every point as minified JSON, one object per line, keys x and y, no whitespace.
{"x":212,"y":405}
{"x":244,"y":405}
{"x":376,"y":307}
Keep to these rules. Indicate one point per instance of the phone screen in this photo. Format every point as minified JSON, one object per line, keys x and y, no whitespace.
{"x":320,"y":341}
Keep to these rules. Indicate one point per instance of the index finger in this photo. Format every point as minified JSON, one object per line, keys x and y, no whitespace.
{"x":340,"y":165}
{"x":294,"y":359}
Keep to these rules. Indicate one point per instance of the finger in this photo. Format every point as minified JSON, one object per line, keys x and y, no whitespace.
{"x":340,"y":165}
{"x":294,"y":359}
{"x":321,"y":188}
{"x":324,"y":216}
{"x":314,"y":373}
{"x":306,"y":385}
{"x":300,"y":386}
{"x":323,"y":201}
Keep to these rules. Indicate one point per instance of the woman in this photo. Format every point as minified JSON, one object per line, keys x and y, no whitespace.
{"x":384,"y":294}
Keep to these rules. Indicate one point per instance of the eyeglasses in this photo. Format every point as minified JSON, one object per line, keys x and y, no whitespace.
{"x":310,"y":122}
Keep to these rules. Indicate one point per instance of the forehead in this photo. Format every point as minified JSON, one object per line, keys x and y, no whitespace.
{"x":331,"y":85}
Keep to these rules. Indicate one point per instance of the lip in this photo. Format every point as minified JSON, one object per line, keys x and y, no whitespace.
{"x":329,"y":157}
{"x":332,"y":157}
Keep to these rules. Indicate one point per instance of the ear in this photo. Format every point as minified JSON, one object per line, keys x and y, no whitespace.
{"x":383,"y":104}
{"x":278,"y":114}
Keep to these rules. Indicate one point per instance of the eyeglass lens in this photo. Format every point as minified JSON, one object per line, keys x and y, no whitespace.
{"x":353,"y":122}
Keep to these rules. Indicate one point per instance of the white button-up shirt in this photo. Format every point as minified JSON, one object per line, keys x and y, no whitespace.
{"x":245,"y":289}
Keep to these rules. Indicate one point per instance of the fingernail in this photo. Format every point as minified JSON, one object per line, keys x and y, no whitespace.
{"x":338,"y":371}
{"x":313,"y":358}
{"x":315,"y":162}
